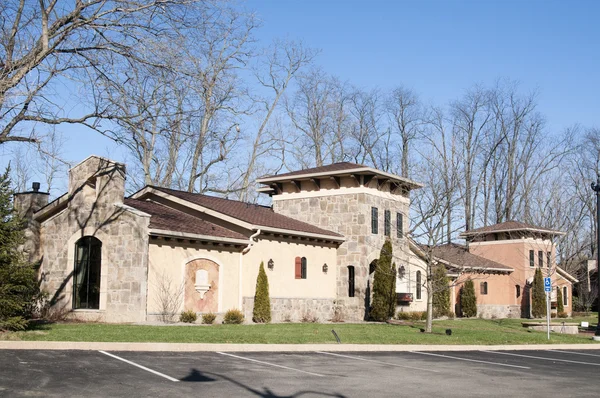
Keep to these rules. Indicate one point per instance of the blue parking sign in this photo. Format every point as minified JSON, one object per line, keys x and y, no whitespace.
{"x":547,"y":285}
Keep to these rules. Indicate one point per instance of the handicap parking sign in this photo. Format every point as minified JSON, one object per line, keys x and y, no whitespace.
{"x":547,"y":285}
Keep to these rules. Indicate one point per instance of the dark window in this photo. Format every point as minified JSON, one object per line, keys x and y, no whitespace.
{"x":350,"y":281}
{"x":399,"y":226}
{"x":387,"y":224}
{"x":374,"y":220}
{"x":303,"y":268}
{"x":541,"y":258}
{"x":518,"y":289}
{"x":565,"y":296}
{"x":484,"y":287}
{"x":86,"y":279}
{"x":418,"y":285}
{"x":531,"y":258}
{"x":549,"y":258}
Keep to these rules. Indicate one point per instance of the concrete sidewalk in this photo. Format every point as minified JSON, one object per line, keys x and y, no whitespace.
{"x":199,"y":347}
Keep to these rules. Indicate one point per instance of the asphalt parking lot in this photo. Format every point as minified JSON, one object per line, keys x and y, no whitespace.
{"x":547,"y":373}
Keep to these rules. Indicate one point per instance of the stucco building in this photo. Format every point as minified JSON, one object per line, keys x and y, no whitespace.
{"x":109,"y":258}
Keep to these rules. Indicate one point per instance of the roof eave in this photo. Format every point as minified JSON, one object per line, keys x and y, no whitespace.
{"x":192,"y":236}
{"x":543,"y":231}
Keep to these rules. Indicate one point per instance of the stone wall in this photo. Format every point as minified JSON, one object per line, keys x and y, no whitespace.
{"x":26,"y":204}
{"x":493,"y":311}
{"x":350,"y":215}
{"x":295,"y":309}
{"x":95,"y":208}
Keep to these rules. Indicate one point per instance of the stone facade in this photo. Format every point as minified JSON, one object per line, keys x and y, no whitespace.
{"x":491,"y":311}
{"x":349,"y":214}
{"x":94,"y":207}
{"x":293,"y":309}
{"x":26,"y":204}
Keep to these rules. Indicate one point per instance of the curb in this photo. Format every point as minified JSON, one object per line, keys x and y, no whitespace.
{"x":199,"y":347}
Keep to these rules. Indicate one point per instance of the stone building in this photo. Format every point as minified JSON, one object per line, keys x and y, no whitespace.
{"x":108,"y":258}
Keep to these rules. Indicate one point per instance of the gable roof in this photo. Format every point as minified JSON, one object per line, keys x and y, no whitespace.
{"x":165,"y":218}
{"x":459,"y":256}
{"x":253,"y":214}
{"x":509,"y":226}
{"x":337,"y":169}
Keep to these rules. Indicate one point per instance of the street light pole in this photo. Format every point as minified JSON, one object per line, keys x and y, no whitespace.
{"x":596,"y":188}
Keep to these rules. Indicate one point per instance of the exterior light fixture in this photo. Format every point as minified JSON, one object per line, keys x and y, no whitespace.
{"x":271,"y":264}
{"x":325,"y":268}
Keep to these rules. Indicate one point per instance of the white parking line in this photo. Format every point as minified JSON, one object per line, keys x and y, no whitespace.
{"x":576,"y":353}
{"x":269,"y":364}
{"x":471,"y":360}
{"x":375,"y":361}
{"x":542,"y":358}
{"x":140,"y":366}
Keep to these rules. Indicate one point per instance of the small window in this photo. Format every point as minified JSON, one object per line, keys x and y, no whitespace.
{"x":387,"y":224}
{"x":399,"y":225}
{"x":565,"y":296}
{"x":518,"y":290}
{"x":541,"y":259}
{"x":86,"y":278}
{"x":484,"y":288}
{"x":418,"y":285}
{"x":531,"y":258}
{"x":303,"y":268}
{"x":374,"y":220}
{"x":350,"y":281}
{"x":549,"y":258}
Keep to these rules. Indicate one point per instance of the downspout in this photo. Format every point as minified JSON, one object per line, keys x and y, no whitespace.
{"x":251,"y":241}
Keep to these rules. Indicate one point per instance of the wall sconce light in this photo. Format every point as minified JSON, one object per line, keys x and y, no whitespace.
{"x":325,"y":268}
{"x":271,"y":264}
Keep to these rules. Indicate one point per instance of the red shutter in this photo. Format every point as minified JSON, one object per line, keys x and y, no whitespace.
{"x":298,"y":267}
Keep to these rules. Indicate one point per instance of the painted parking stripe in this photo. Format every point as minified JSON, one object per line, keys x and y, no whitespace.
{"x":375,"y":361}
{"x":576,"y":353}
{"x":471,"y":360}
{"x":269,"y":364}
{"x":542,"y":358}
{"x":140,"y":366}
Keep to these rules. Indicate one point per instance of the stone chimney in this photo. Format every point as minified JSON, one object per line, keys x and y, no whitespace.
{"x":26,"y":204}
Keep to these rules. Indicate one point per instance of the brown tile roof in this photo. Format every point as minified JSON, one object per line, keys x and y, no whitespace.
{"x":459,"y":255}
{"x":166,"y":218}
{"x":251,"y":213}
{"x":509,"y":226}
{"x":335,"y":167}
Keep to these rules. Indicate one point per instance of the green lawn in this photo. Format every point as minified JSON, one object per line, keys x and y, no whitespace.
{"x":464,"y":331}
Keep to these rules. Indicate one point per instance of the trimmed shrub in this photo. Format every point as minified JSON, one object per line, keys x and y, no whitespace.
{"x":209,"y":318}
{"x":468,"y":299}
{"x":383,"y":282}
{"x":538,"y":296}
{"x":262,"y":304}
{"x":403,"y":315}
{"x":233,"y":317}
{"x":563,"y":314}
{"x":560,"y":307}
{"x":441,"y":292}
{"x":188,"y":316}
{"x":411,"y":315}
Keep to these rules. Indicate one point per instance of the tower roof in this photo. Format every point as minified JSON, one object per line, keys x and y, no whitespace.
{"x":510,"y":226}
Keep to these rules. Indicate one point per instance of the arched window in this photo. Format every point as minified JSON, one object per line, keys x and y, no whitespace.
{"x":86,"y":277}
{"x":300,"y":268}
{"x":484,"y":287}
{"x":565,"y":296}
{"x":418,"y":285}
{"x":351,"y":281}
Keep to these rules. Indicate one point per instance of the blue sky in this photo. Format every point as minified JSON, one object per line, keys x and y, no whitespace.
{"x":439,"y":49}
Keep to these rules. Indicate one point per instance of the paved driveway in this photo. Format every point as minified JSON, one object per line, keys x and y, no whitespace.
{"x":547,"y":373}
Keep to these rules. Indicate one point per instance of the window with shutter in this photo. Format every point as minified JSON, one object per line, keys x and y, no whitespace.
{"x":484,"y":287}
{"x":298,"y":268}
{"x":303,"y":268}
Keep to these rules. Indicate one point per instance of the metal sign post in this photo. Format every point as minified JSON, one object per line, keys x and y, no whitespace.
{"x":548,"y":290}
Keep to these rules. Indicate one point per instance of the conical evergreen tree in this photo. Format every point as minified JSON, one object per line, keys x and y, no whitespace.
{"x":441,"y":292}
{"x":468,"y":299}
{"x":262,"y":303}
{"x":538,"y":296}
{"x":382,"y":280}
{"x":560,"y":307}
{"x":392,"y":290}
{"x":18,"y":286}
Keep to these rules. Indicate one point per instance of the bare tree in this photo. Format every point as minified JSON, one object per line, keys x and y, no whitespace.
{"x":406,"y":116}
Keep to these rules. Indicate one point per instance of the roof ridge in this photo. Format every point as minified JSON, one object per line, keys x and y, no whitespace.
{"x":209,"y":196}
